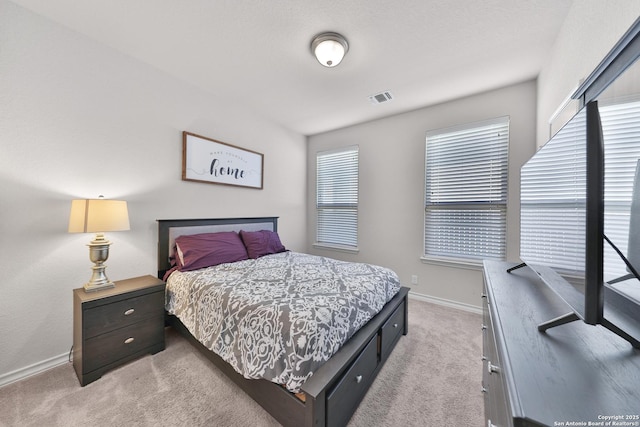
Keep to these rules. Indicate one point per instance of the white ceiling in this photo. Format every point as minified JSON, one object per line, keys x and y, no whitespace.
{"x":256,"y":52}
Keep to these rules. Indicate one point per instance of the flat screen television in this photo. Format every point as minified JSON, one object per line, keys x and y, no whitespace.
{"x":563,"y":227}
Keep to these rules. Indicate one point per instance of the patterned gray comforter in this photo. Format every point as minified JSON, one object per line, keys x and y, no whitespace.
{"x":281,"y":316}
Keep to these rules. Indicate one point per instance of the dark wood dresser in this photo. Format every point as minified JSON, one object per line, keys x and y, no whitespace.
{"x":114,"y":326}
{"x":571,"y":375}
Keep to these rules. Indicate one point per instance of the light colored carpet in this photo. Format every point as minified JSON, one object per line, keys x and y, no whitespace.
{"x":432,"y":379}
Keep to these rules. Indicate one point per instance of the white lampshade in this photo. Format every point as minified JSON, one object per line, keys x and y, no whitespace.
{"x":98,"y":215}
{"x":329,"y":48}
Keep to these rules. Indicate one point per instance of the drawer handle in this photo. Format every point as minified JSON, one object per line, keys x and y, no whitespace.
{"x":128,"y":312}
{"x":129,"y":340}
{"x":483,"y":390}
{"x":492,"y":368}
{"x":490,"y":424}
{"x":484,"y":327}
{"x":358,"y":379}
{"x":395,"y":325}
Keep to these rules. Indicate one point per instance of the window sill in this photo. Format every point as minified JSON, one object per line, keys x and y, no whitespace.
{"x":453,"y":262}
{"x":338,"y":248}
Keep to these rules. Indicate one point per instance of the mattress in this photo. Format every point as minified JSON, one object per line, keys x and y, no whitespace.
{"x":281,"y":316}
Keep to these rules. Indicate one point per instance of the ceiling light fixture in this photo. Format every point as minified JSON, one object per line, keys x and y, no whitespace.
{"x":329,"y":48}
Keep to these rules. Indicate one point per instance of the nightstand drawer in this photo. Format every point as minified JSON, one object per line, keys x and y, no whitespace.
{"x":116,"y":315}
{"x":115,"y":345}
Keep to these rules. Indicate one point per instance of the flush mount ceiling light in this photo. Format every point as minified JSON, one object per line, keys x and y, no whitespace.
{"x":329,"y":48}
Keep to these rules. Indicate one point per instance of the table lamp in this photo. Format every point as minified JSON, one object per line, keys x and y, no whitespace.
{"x":97,"y":216}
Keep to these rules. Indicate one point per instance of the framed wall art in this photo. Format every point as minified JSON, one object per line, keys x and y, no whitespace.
{"x":215,"y":162}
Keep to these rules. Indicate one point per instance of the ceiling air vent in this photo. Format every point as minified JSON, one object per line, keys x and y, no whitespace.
{"x":381,"y":98}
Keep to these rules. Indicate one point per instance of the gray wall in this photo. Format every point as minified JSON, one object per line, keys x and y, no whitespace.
{"x":78,"y":119}
{"x":391,"y":192}
{"x":590,"y":30}
{"x":392,"y":153}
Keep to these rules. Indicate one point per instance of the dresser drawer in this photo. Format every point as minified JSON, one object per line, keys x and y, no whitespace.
{"x":107,"y":348}
{"x":493,"y":382}
{"x":353,"y":385}
{"x":392,"y":329}
{"x":107,"y":317}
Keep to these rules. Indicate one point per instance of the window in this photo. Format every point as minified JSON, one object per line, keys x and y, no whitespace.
{"x":466,"y":192}
{"x":553,"y":190}
{"x":621,"y":132}
{"x":337,"y":198}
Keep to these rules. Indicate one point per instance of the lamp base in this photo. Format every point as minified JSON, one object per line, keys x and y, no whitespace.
{"x":99,"y":253}
{"x":90,"y":287}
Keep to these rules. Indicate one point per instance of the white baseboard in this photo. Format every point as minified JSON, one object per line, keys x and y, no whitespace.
{"x":447,"y":303}
{"x":36,"y":368}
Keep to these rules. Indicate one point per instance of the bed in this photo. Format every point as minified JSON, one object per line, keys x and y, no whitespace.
{"x":338,"y":383}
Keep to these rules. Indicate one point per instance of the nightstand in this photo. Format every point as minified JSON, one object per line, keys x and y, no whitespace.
{"x":114,"y":326}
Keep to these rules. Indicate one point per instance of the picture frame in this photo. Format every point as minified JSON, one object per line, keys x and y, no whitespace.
{"x":216,"y":162}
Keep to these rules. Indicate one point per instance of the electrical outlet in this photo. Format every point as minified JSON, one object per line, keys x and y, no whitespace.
{"x":414,"y":279}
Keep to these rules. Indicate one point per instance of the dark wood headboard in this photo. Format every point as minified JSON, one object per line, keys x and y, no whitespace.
{"x":169,"y":229}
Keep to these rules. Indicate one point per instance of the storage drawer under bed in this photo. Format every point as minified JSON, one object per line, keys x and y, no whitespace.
{"x":351,"y":388}
{"x":391,"y":330}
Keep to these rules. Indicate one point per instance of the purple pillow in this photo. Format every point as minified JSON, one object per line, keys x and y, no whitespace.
{"x":207,"y":249}
{"x":260,"y":243}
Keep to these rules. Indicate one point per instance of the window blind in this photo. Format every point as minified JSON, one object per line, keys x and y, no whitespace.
{"x":562,"y":225}
{"x":337,"y":197}
{"x":466,"y":171}
{"x":621,"y":131}
{"x":553,"y":201}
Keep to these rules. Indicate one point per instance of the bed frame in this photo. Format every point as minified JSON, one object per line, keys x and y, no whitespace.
{"x":335,"y":390}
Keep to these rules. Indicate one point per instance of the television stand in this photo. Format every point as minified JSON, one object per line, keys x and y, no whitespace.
{"x":561,"y":320}
{"x":572,"y":317}
{"x":515,"y":267}
{"x":621,"y":279}
{"x":619,"y":315}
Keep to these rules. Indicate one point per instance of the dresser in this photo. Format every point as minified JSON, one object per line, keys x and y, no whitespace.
{"x":571,"y":375}
{"x":114,"y":326}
